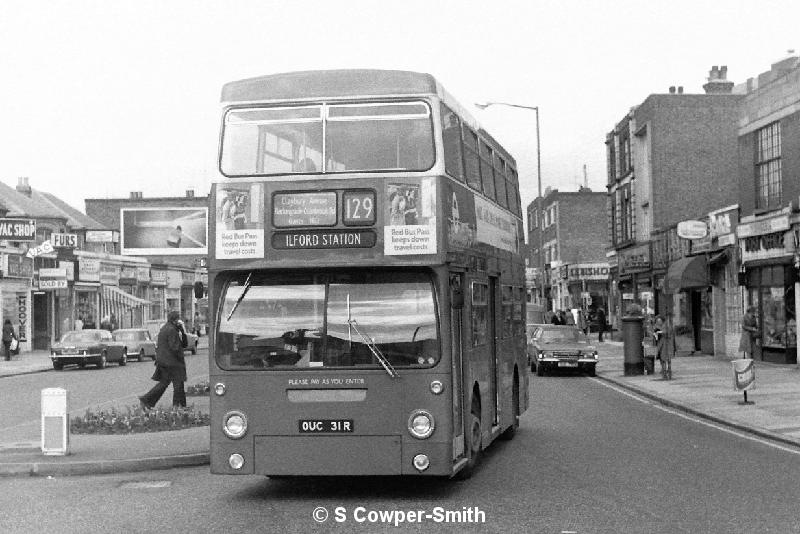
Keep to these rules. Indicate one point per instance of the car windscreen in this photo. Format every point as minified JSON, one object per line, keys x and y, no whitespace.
{"x":329,"y":321}
{"x":80,"y":337}
{"x":562,"y":335}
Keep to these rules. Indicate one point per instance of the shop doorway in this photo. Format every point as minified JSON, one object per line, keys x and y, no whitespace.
{"x":41,"y":322}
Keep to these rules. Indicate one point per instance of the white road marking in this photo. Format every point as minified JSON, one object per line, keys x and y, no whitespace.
{"x":698,"y":420}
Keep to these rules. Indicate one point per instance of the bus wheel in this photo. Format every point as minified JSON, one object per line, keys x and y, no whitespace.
{"x":509,"y":433}
{"x":474,"y":443}
{"x":101,"y":364}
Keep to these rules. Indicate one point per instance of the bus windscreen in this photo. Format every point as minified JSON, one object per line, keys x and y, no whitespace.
{"x":329,"y":322}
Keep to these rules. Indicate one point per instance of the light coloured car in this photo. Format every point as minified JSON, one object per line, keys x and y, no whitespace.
{"x":552,"y":347}
{"x":138,"y":342}
{"x":88,"y":346}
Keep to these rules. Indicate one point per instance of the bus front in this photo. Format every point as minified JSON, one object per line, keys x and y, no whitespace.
{"x":327,"y":289}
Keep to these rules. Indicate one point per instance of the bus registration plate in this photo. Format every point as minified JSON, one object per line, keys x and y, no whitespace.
{"x":325,"y":426}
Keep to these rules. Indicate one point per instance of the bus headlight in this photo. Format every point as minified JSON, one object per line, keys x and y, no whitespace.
{"x":236,"y":461}
{"x":421,"y":462}
{"x":234,"y":425}
{"x":437,"y":387}
{"x":420,"y":424}
{"x":219,"y":389}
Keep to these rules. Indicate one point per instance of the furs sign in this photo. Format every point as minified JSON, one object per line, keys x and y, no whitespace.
{"x":17,"y":230}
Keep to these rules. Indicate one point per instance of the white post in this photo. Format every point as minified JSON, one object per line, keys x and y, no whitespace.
{"x":55,"y":422}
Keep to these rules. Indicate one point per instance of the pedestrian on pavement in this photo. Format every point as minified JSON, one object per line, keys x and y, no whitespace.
{"x":170,"y":365}
{"x":8,"y":336}
{"x":667,"y":346}
{"x":79,"y":323}
{"x":556,"y":318}
{"x":569,"y":318}
{"x":113,"y":322}
{"x":583,"y":323}
{"x":749,"y":332}
{"x":601,"y":323}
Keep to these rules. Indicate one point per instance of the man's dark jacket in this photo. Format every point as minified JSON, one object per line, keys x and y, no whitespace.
{"x":170,"y":364}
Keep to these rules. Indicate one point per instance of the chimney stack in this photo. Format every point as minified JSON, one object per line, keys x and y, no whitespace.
{"x":23,"y":186}
{"x":718,"y":83}
{"x":672,"y":89}
{"x":190,"y":193}
{"x":680,"y":89}
{"x":136,"y":195}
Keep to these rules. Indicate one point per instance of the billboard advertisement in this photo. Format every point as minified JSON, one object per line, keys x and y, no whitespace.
{"x":165,"y":231}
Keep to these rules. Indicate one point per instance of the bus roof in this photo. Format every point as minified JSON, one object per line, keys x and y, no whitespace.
{"x":303,"y":85}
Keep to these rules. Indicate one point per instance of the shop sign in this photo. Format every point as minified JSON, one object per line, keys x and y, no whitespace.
{"x":588,"y":271}
{"x":22,"y":317}
{"x":52,"y":278}
{"x":692,"y":229}
{"x":761,"y":247}
{"x":723,"y":222}
{"x":17,"y":229}
{"x":89,"y":269}
{"x":69,"y":267}
{"x":634,"y":259}
{"x":109,"y":274}
{"x":174,"y":279}
{"x":18,"y":266}
{"x":127,"y":274}
{"x":64,"y":240}
{"x":101,"y":236}
{"x":45,"y":248}
{"x":158,"y":277}
{"x":142,"y":273}
{"x":744,"y":374}
{"x":702,"y":244}
{"x":767,"y":226}
{"x":187,"y":278}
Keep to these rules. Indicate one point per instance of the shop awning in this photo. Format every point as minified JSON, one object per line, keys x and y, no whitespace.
{"x":687,"y":273}
{"x":115,"y":294}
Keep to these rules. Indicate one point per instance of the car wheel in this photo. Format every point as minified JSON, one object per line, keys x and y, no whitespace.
{"x":591,"y":370}
{"x":194,"y":348}
{"x":141,"y":355}
{"x":102,"y":363}
{"x":124,"y":360}
{"x":540,"y":370}
{"x":82,"y":365}
{"x":58,"y":366}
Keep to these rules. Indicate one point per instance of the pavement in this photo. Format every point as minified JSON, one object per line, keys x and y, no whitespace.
{"x":702,"y":385}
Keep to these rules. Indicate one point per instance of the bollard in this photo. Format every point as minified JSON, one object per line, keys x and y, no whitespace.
{"x":632,"y":341}
{"x":55,"y":422}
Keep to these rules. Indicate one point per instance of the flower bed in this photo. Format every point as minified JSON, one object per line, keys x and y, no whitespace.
{"x":136,"y":420}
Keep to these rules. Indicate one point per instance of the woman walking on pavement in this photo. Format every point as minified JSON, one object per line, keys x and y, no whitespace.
{"x":667,"y":347}
{"x":170,"y":365}
{"x":749,"y":332}
{"x":8,"y":335}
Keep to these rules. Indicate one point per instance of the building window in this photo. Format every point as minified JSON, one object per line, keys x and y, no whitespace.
{"x":624,"y":155}
{"x":625,"y":213}
{"x":768,"y":166}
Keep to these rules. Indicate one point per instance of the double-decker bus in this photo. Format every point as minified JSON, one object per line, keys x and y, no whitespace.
{"x":366,"y":286}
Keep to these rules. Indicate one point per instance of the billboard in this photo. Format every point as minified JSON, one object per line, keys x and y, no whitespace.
{"x":165,"y":231}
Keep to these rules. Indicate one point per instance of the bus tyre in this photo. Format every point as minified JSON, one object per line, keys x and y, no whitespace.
{"x":102,"y":363}
{"x":194,"y":348}
{"x":57,"y":365}
{"x":124,"y":359}
{"x":474,"y":443}
{"x":540,"y":370}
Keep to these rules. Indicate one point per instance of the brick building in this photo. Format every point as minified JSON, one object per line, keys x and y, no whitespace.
{"x":576,"y":269}
{"x":671,"y":158}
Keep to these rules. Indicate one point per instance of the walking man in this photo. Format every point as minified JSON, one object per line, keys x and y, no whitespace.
{"x":8,"y":336}
{"x":601,"y":323}
{"x":170,"y":365}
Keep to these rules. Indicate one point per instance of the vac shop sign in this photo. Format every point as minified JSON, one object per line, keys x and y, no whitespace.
{"x":17,"y":229}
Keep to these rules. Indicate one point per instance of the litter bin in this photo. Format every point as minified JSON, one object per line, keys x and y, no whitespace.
{"x":632,"y":342}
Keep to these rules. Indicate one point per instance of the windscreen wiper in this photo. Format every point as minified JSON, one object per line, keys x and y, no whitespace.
{"x":374,"y":350}
{"x":241,"y":297}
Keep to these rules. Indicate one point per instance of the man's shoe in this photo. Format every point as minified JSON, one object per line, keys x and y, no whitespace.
{"x":146,"y":407}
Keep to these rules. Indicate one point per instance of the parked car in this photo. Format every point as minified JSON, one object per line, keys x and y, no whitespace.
{"x":89,"y":346}
{"x":560,"y":347}
{"x":138,"y":342}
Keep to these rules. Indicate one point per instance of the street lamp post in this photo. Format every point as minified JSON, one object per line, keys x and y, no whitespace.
{"x":540,"y":206}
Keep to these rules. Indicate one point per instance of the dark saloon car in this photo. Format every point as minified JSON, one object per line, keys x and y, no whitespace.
{"x":89,"y":346}
{"x":138,"y":342}
{"x":553,"y":347}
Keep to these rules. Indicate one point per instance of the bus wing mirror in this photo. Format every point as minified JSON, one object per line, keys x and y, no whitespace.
{"x":199,"y":290}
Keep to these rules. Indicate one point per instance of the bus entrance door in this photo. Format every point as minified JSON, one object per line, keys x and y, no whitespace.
{"x":492,"y":338}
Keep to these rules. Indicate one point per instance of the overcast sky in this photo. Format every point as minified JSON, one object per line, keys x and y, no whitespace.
{"x":100,"y":98}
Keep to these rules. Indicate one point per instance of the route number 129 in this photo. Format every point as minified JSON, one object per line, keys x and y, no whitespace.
{"x":359,"y":207}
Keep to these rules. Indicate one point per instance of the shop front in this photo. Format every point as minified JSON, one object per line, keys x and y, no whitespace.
{"x":16,"y":297}
{"x":635,"y":281}
{"x":768,"y":253}
{"x":158,"y":285}
{"x":86,"y":292}
{"x":588,"y":287}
